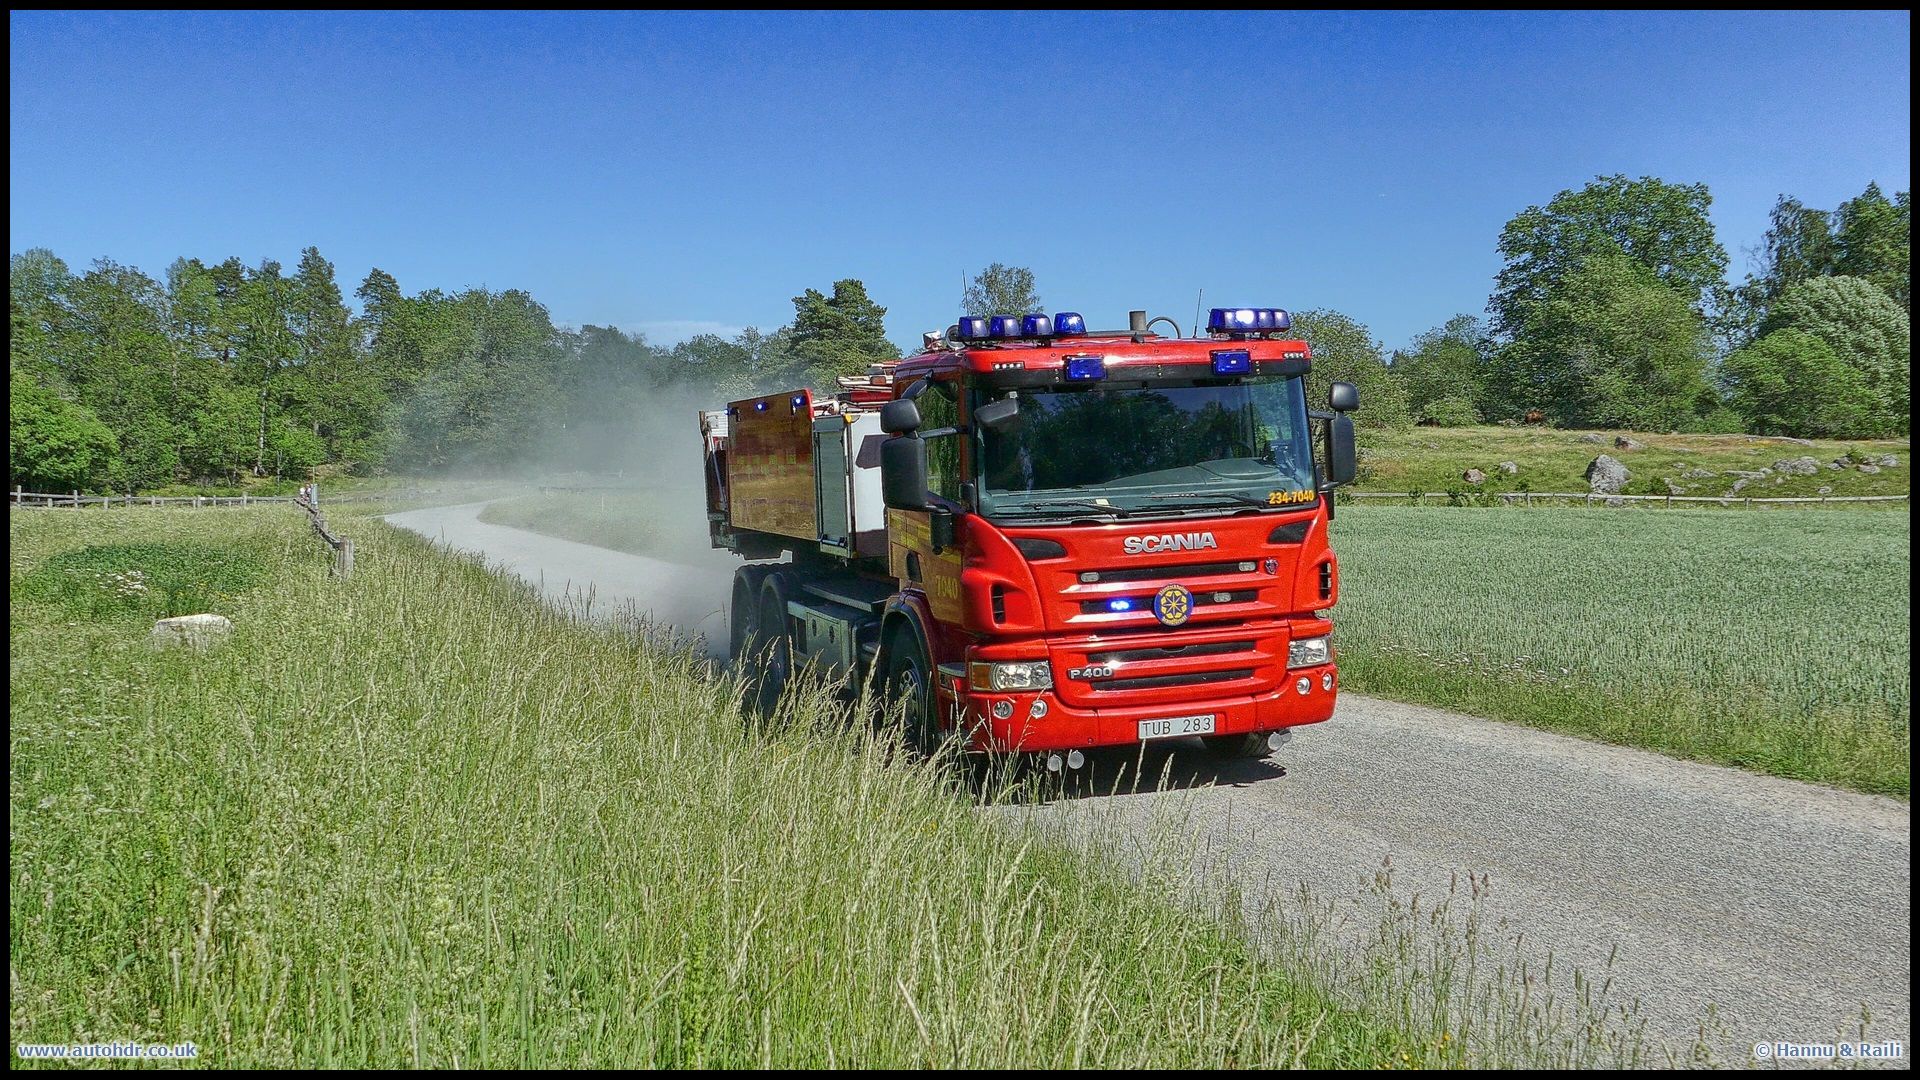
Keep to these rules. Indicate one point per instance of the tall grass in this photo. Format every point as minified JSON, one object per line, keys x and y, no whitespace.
{"x":1775,"y":642}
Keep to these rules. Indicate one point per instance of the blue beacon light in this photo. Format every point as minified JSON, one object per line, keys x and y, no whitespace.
{"x":1086,"y":368}
{"x":1068,"y":322}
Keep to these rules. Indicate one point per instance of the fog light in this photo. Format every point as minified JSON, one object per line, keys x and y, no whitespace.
{"x":1040,"y":707}
{"x":1326,"y":681}
{"x":1075,"y":759}
{"x":1054,"y":762}
{"x":1305,"y":685}
{"x":1003,"y":710}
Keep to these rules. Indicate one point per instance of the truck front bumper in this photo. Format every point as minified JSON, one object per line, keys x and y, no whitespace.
{"x":1040,"y":721}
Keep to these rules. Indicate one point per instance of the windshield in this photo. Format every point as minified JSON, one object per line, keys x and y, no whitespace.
{"x":1160,"y":449}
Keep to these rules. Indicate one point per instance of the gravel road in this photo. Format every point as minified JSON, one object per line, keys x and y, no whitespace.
{"x":1784,"y":906}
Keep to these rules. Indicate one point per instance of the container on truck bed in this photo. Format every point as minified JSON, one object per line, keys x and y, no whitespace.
{"x":1043,"y":539}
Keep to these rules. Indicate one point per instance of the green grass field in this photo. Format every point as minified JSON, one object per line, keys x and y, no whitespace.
{"x":1432,"y":459}
{"x":1778,"y":642}
{"x":419,"y":818}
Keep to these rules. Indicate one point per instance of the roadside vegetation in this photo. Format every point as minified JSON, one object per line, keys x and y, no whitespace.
{"x":420,"y":818}
{"x":1434,"y":460}
{"x":1778,"y":642}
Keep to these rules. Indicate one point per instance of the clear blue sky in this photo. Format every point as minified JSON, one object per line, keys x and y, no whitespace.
{"x":666,"y":172}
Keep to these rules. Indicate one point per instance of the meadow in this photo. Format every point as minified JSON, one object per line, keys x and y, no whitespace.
{"x":1775,"y":641}
{"x":419,"y":818}
{"x":1433,"y":459}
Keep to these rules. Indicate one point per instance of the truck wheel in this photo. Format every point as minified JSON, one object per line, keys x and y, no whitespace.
{"x":743,"y":615}
{"x":1251,"y":745}
{"x":770,"y":647}
{"x":909,"y":686}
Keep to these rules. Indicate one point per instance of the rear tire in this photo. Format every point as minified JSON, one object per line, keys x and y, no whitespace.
{"x":909,"y":688}
{"x":770,"y":645}
{"x":744,"y":614}
{"x":1241,"y":747}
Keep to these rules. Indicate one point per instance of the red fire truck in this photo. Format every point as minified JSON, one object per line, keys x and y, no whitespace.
{"x":1043,"y":539}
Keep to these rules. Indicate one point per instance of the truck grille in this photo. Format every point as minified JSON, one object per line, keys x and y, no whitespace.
{"x":1160,"y":682}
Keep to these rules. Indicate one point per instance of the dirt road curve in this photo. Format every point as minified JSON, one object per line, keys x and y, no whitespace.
{"x":1785,"y":906}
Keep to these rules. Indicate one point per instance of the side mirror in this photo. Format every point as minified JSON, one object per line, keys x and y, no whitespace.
{"x":996,"y":414}
{"x":900,"y":417}
{"x":1343,"y":397}
{"x":1343,"y":462}
{"x":903,"y":470}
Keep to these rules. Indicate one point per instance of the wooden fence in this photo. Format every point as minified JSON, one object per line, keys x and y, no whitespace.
{"x":342,"y":547}
{"x":76,"y":501}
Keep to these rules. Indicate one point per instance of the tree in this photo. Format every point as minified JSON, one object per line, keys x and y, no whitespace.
{"x":1001,"y":290}
{"x":1873,"y":239}
{"x":1866,"y":329}
{"x":54,"y":444}
{"x":118,"y":361}
{"x":1444,"y":371}
{"x":38,"y":313}
{"x":1608,"y":346}
{"x":1344,"y":350}
{"x":843,"y":334}
{"x":1663,"y":227}
{"x":1792,"y":383}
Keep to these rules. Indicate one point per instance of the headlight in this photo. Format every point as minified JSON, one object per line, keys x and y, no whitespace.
{"x":1308,"y":652}
{"x":1020,"y":675}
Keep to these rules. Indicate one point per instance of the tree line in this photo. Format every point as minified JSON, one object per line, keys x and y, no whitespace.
{"x":222,"y":372}
{"x":1612,"y":309}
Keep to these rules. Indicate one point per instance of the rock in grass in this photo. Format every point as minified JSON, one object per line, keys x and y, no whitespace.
{"x":1623,"y":443}
{"x":1673,"y":488}
{"x":1474,"y":476}
{"x":1592,"y":438}
{"x":191,"y":632}
{"x":1800,"y":466}
{"x":1606,"y":476}
{"x":1508,"y":467}
{"x":1697,"y":473}
{"x":1885,"y":461}
{"x":1826,"y":489}
{"x":1869,"y":468}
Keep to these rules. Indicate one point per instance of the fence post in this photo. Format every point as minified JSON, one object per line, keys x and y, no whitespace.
{"x":343,"y":558}
{"x":76,"y":498}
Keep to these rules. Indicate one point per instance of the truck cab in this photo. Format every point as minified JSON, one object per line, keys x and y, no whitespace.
{"x":1091,"y":539}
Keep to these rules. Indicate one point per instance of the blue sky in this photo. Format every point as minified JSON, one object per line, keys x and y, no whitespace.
{"x":673,"y":173}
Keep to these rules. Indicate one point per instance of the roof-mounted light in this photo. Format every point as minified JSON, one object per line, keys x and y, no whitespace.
{"x":1068,"y":322}
{"x":1086,"y":368}
{"x":800,"y":399}
{"x":1004,"y":326}
{"x":1036,"y":326}
{"x":1247,"y":320}
{"x":972,"y":329}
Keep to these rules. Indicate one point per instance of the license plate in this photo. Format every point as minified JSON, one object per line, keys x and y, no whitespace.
{"x":1173,"y":727}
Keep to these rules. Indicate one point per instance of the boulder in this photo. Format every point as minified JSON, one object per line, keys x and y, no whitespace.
{"x":1826,"y":489}
{"x":1698,"y":473}
{"x":1673,"y":488}
{"x":1508,"y":467}
{"x":1835,"y":466}
{"x":1750,"y":474}
{"x":1800,"y":466}
{"x":1738,"y":484}
{"x":1885,"y":461}
{"x":1474,"y":476}
{"x":1592,"y":438}
{"x":191,"y":632}
{"x":1606,"y":476}
{"x":1868,"y":468}
{"x":1623,"y":443}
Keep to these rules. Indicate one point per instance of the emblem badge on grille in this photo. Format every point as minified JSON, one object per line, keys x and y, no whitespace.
{"x":1273,"y":566}
{"x":1173,"y":605}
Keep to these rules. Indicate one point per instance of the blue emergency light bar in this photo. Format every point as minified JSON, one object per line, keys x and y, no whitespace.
{"x":1086,"y":368}
{"x":1004,"y":326}
{"x":1247,"y":320}
{"x":1036,"y":326}
{"x":973,"y":328}
{"x":1068,"y":322}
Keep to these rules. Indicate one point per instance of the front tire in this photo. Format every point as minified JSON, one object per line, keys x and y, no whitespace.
{"x":744,"y":614}
{"x":1250,"y":746}
{"x":770,"y":646}
{"x":909,"y":689}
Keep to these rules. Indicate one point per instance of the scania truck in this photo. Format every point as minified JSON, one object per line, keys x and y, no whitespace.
{"x":1039,"y":539}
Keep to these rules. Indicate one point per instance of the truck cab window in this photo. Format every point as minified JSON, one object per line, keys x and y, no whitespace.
{"x":939,"y":409}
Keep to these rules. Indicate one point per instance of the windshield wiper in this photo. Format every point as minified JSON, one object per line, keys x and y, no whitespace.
{"x":1104,"y":508}
{"x":1212,"y":497}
